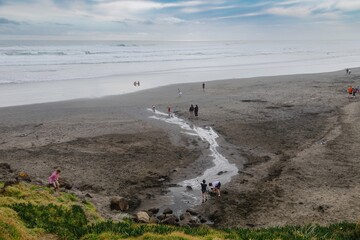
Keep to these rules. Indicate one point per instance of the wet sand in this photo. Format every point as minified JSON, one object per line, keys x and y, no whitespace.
{"x":297,"y":134}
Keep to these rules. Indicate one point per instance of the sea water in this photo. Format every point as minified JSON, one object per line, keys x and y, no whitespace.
{"x":47,"y":71}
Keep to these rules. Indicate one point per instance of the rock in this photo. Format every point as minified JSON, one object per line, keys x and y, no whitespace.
{"x":250,"y":225}
{"x":202,"y":219}
{"x":153,"y":210}
{"x":170,"y":220}
{"x":119,"y":203}
{"x":142,"y":217}
{"x":154,"y":219}
{"x":88,"y":195}
{"x":39,"y":181}
{"x":221,"y":172}
{"x":185,"y":220}
{"x":167,"y":211}
{"x":64,"y":183}
{"x":161,"y":217}
{"x":189,"y":188}
{"x":23,"y":176}
{"x":10,"y":183}
{"x":192,"y":212}
{"x":185,"y":216}
{"x":134,"y":202}
{"x":322,"y":208}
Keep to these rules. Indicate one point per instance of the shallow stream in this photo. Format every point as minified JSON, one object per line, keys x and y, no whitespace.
{"x":183,"y":197}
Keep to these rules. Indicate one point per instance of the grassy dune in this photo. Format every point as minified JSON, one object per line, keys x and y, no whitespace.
{"x":34,"y":212}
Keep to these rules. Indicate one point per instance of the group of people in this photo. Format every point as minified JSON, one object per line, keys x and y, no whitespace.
{"x":348,"y":71}
{"x":214,"y":186}
{"x":194,"y":111}
{"x":352,"y":90}
{"x":137,"y":83}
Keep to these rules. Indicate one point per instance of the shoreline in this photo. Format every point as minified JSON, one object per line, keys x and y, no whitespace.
{"x":104,"y":87}
{"x":109,"y":147}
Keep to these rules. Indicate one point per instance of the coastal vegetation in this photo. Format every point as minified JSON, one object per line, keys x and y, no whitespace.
{"x":30,"y":211}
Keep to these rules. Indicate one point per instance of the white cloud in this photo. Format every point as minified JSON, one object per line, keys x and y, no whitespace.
{"x":290,"y":11}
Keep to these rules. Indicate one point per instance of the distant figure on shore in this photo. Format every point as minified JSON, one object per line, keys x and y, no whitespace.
{"x":138,"y":83}
{"x":54,"y":180}
{"x":135,"y":83}
{"x":153,"y":108}
{"x":196,"y":110}
{"x":169,"y":111}
{"x":203,"y":191}
{"x":179,"y":92}
{"x":215,"y":187}
{"x":354,"y":90}
{"x":191,"y":110}
{"x":349,"y":71}
{"x":203,"y":87}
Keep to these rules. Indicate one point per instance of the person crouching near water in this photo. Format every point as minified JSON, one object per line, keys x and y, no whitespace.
{"x":215,"y":187}
{"x":204,"y":191}
{"x":54,"y":179}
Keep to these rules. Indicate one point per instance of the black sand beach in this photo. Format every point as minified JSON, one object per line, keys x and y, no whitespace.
{"x":299,"y":136}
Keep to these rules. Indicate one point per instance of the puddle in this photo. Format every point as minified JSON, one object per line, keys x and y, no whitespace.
{"x":181,"y":198}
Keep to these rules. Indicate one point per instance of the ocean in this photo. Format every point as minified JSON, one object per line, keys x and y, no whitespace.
{"x":48,"y":71}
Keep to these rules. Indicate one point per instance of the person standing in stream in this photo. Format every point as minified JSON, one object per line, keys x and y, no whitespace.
{"x":196,"y":110}
{"x":203,"y":191}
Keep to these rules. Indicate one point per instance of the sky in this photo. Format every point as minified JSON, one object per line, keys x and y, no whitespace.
{"x":180,"y":20}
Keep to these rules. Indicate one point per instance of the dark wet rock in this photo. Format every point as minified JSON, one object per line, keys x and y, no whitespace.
{"x":192,"y":212}
{"x":202,"y":219}
{"x":161,"y":217}
{"x":170,"y":220}
{"x":134,"y":202}
{"x":153,"y":210}
{"x":251,"y":225}
{"x":322,"y":208}
{"x":173,"y":185}
{"x":119,"y":203}
{"x":189,"y":188}
{"x":167,"y":211}
{"x":221,"y":172}
{"x":149,"y":195}
{"x":225,"y":192}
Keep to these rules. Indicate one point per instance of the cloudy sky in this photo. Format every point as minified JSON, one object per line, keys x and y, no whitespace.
{"x":180,"y":19}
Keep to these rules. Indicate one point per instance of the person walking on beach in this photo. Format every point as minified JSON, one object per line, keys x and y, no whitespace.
{"x":54,"y":180}
{"x":153,"y":108}
{"x":196,"y":110}
{"x":169,"y":111}
{"x":191,"y":110}
{"x":179,"y":92}
{"x":135,"y":83}
{"x":203,"y":191}
{"x":203,"y":87}
{"x":215,"y":187}
{"x":138,"y":83}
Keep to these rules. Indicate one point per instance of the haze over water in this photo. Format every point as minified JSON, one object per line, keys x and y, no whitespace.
{"x":48,"y":71}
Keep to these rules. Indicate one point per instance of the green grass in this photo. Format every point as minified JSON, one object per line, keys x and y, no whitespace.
{"x":28,"y":212}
